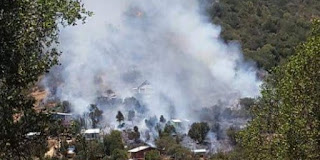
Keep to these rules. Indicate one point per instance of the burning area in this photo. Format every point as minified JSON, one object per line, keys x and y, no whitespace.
{"x":152,"y":64}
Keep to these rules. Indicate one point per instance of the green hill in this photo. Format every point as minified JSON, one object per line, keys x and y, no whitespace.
{"x":268,"y":30}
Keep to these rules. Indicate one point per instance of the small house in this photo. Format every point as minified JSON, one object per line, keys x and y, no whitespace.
{"x":91,"y":134}
{"x":200,"y":152}
{"x":64,"y":117}
{"x":139,"y":153}
{"x":144,"y":88}
{"x":33,"y":134}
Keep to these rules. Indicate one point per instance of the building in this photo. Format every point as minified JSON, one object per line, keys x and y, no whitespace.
{"x":144,"y":88}
{"x":91,"y":134}
{"x":33,"y":134}
{"x":140,"y":152}
{"x":64,"y":117}
{"x":201,"y":152}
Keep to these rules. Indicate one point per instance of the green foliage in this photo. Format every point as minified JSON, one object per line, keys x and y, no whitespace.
{"x":119,"y":154}
{"x":169,"y":146}
{"x":88,"y":149}
{"x":28,"y":37}
{"x":235,"y":154}
{"x":266,"y":29}
{"x":286,"y":120}
{"x":199,"y":131}
{"x":135,"y":135}
{"x":75,"y":127}
{"x":165,"y":142}
{"x":180,"y":153}
{"x":113,"y":141}
{"x":169,"y":129}
{"x":153,"y":155}
{"x":231,"y":133}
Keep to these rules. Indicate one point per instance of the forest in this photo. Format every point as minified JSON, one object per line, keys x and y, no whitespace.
{"x":281,"y":38}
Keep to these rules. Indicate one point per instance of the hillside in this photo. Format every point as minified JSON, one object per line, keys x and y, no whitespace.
{"x":267,"y":30}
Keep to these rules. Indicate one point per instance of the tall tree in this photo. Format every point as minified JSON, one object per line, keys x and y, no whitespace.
{"x":199,"y":131}
{"x":113,"y":141}
{"x":162,"y":119}
{"x":28,"y":40}
{"x":286,"y":123}
{"x":120,"y":117}
{"x":95,"y":115}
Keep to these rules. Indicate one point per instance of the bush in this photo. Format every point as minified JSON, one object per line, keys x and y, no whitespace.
{"x":199,"y":131}
{"x":119,"y":154}
{"x":153,"y":155}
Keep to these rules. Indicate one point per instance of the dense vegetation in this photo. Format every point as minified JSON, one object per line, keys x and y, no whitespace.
{"x":285,"y":119}
{"x":286,"y":122}
{"x":268,"y":30}
{"x":28,"y":36}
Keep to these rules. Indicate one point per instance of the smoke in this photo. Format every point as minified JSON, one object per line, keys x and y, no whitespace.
{"x":169,"y":43}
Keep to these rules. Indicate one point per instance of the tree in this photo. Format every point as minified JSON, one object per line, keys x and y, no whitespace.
{"x":231,"y":133}
{"x":28,"y":38}
{"x":267,"y":30}
{"x":180,"y":153}
{"x":119,"y":154}
{"x":135,"y":134}
{"x":286,"y":121}
{"x":153,"y":155}
{"x":93,"y":149}
{"x":169,"y":129}
{"x":169,"y":146}
{"x":165,"y":142}
{"x":199,"y":131}
{"x":119,"y":117}
{"x":95,"y":115}
{"x":112,"y":141}
{"x":162,"y":119}
{"x":75,"y":127}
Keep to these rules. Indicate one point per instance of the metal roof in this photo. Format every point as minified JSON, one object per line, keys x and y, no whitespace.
{"x":138,"y":149}
{"x":199,"y":151}
{"x":90,"y":131}
{"x":63,"y":114}
{"x":176,"y":120}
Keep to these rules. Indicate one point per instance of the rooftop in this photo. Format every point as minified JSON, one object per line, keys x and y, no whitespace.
{"x":33,"y":134}
{"x":63,"y":114}
{"x":199,"y":151}
{"x":90,"y":131}
{"x":138,"y":149}
{"x":176,"y":120}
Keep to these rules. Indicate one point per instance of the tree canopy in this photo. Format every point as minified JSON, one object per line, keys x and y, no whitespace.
{"x":199,"y":131}
{"x":286,"y":120}
{"x":267,"y":29}
{"x":28,"y":38}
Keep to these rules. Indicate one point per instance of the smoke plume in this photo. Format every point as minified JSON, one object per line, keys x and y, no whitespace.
{"x":169,"y":44}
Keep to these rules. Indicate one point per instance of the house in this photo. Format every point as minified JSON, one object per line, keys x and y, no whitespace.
{"x":144,"y":88}
{"x":200,"y":152}
{"x":91,"y":134}
{"x":64,"y":117}
{"x":33,"y":134}
{"x":140,"y":152}
{"x":179,"y":122}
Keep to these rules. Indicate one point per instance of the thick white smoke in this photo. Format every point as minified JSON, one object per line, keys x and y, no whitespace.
{"x":169,"y":43}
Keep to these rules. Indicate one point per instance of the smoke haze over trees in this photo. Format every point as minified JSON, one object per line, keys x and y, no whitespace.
{"x":174,"y":75}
